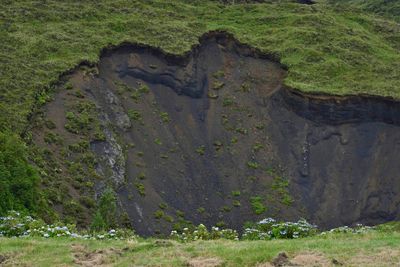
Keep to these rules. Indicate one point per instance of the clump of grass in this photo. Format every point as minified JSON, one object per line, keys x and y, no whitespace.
{"x":245,"y":87}
{"x":257,"y":205}
{"x":143,"y":89}
{"x":235,"y":193}
{"x":135,"y":115}
{"x":227,"y":102}
{"x":253,"y":165}
{"x":217,"y":85}
{"x":257,"y":147}
{"x":218,"y":74}
{"x":201,"y":150}
{"x":142,"y":176}
{"x":141,"y":189}
{"x":157,"y":141}
{"x":158,"y":214}
{"x":201,"y":210}
{"x":165,"y":117}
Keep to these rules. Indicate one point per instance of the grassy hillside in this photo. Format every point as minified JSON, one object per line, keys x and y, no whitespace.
{"x":388,"y":8}
{"x":373,"y":249}
{"x":326,"y":50}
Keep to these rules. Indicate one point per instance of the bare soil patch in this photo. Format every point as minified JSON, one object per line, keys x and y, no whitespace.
{"x":205,"y":262}
{"x":100,"y":257}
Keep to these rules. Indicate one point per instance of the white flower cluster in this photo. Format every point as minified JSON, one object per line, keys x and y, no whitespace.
{"x":269,"y":228}
{"x":15,"y":225}
{"x":201,"y":233}
{"x":358,"y":229}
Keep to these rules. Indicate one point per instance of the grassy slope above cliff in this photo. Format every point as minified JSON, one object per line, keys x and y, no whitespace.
{"x":326,"y":50}
{"x":388,"y":8}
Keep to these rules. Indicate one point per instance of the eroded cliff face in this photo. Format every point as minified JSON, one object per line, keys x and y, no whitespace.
{"x":214,"y":137}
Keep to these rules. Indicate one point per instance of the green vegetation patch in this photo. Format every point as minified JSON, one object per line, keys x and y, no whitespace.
{"x":327,"y":49}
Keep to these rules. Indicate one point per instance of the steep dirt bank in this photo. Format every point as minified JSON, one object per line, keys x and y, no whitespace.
{"x":213,"y":136}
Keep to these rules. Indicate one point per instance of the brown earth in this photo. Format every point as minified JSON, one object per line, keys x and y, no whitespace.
{"x":100,"y":257}
{"x":198,"y":137}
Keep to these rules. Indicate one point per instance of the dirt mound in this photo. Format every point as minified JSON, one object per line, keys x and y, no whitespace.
{"x":100,"y":257}
{"x":282,"y":260}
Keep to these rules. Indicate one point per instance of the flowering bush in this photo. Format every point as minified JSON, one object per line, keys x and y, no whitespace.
{"x":201,"y":233}
{"x":269,"y":228}
{"x":17,"y":225}
{"x":358,"y":229}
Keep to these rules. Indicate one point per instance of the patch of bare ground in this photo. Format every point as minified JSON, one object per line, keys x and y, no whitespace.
{"x":309,"y":259}
{"x":385,"y":258}
{"x":205,"y":262}
{"x":3,"y":259}
{"x":99,"y":257}
{"x":313,"y":259}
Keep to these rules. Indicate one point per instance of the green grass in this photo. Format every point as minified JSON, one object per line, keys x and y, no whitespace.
{"x":388,"y":8}
{"x":329,"y":50}
{"x":345,"y":248}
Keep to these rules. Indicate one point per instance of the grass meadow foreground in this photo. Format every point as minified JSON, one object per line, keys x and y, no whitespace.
{"x":375,"y":248}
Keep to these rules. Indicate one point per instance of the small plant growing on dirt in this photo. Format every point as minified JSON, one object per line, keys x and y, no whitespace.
{"x":227,"y":102}
{"x":218,"y":74}
{"x":136,"y":95}
{"x":241,"y":130}
{"x":163,"y":205}
{"x":159,"y":214}
{"x":217,"y":85}
{"x":201,"y":210}
{"x":218,"y":145}
{"x":201,"y":150}
{"x":245,"y":87}
{"x":53,"y":138}
{"x":260,"y":126}
{"x":157,"y":141}
{"x":257,"y":205}
{"x":140,"y":188}
{"x":168,"y":218}
{"x":165,"y":117}
{"x":252,"y":165}
{"x":226,"y":209}
{"x":257,"y":147}
{"x":236,"y":203}
{"x":135,"y":115}
{"x":68,"y":86}
{"x":143,"y":89}
{"x":142,"y":176}
{"x":235,"y":193}
{"x":212,"y":96}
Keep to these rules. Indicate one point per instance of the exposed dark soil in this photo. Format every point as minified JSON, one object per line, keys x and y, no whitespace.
{"x":197,"y":137}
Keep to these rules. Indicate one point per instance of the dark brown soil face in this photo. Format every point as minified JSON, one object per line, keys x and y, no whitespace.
{"x":212,"y":137}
